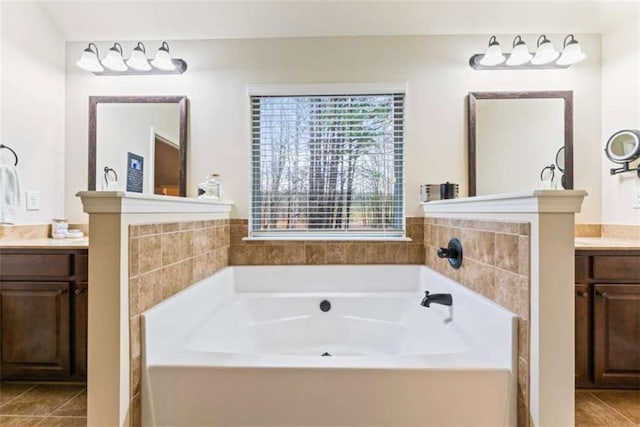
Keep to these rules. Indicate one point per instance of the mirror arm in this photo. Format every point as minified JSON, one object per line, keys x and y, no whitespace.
{"x":625,"y":168}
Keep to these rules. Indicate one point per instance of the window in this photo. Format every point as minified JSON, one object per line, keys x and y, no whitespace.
{"x":327,"y":166}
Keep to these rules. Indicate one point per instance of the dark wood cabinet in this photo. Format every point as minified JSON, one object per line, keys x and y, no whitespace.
{"x":43,"y":314}
{"x":607,"y":318}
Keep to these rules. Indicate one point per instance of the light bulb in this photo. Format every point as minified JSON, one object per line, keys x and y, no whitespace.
{"x":520,"y":54}
{"x":113,"y":60}
{"x":138,"y":60}
{"x":493,"y":55}
{"x":89,"y":60}
{"x":163,"y":60}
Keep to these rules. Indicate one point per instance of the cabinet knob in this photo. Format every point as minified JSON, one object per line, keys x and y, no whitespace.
{"x":79,"y":291}
{"x":583,"y":294}
{"x":62,"y":291}
{"x":601,"y":294}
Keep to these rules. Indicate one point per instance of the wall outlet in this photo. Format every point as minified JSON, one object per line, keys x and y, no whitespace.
{"x":33,"y":200}
{"x":636,"y":195}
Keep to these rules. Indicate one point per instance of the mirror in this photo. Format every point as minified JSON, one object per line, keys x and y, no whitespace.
{"x":140,"y":139}
{"x":623,"y":146}
{"x":560,"y":159}
{"x":514,"y":135}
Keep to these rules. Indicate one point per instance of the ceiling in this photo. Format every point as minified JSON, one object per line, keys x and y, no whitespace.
{"x":174,"y":20}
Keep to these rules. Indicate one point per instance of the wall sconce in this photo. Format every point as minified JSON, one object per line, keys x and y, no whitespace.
{"x":138,"y":64}
{"x":545,"y":58}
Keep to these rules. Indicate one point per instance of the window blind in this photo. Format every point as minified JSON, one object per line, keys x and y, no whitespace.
{"x":327,"y":166}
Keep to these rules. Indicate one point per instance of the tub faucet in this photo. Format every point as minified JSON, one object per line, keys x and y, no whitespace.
{"x":444,"y":299}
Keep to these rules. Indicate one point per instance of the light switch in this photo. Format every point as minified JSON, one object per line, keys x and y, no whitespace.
{"x":33,"y":200}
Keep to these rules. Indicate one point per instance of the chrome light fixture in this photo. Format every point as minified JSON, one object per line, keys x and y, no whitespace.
{"x":520,"y":53}
{"x":138,"y":60}
{"x":545,"y":53}
{"x":137,"y":64}
{"x":114,"y":60}
{"x":89,"y":60}
{"x":163,"y":60}
{"x":494,"y":55}
{"x":546,"y":56}
{"x":572,"y":52}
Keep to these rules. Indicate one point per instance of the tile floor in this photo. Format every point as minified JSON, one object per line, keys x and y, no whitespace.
{"x":65,"y":405}
{"x":43,"y":405}
{"x":611,"y":408}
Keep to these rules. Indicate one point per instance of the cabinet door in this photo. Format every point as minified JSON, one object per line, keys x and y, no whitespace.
{"x":81,"y":300}
{"x":34,"y":320}
{"x":583,"y":334}
{"x":617,"y":335}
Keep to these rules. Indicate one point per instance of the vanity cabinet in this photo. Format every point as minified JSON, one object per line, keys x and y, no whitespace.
{"x":607,"y":330}
{"x":43,"y":314}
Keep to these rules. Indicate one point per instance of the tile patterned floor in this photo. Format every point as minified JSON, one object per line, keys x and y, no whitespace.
{"x":607,"y":408}
{"x":43,"y":405}
{"x":65,"y":405}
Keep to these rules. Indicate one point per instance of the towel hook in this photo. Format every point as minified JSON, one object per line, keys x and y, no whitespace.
{"x":10,"y":149}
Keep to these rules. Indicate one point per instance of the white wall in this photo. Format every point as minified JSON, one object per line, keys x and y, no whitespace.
{"x":33,"y":105}
{"x":620,"y":110}
{"x":435,"y":68}
{"x":123,"y":128}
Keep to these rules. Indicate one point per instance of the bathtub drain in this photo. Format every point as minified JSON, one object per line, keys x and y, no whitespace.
{"x":326,"y":353}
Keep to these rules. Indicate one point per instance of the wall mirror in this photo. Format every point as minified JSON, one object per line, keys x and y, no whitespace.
{"x":514,"y":135}
{"x":153,"y":129}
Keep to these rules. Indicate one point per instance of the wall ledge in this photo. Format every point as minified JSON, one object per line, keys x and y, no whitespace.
{"x":136,"y":203}
{"x":533,"y":201}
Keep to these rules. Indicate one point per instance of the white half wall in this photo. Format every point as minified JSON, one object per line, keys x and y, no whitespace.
{"x":33,"y":106}
{"x":434,"y":67}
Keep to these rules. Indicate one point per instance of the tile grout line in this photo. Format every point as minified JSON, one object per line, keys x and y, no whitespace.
{"x":11,"y":400}
{"x":613,"y":408}
{"x":67,"y":401}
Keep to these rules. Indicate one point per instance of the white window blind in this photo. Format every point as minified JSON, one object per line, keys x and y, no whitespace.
{"x":329,"y":166}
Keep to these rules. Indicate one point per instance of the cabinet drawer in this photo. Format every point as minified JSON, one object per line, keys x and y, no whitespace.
{"x":622,"y":267}
{"x":82,"y":267}
{"x":30,"y":265}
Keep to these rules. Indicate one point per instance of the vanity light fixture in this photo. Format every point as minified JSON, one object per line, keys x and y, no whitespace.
{"x":494,"y":55}
{"x":114,"y":60}
{"x":114,"y":64}
{"x":572,"y":52}
{"x":163,"y":58}
{"x":545,"y":53}
{"x":520,"y":53}
{"x":546,"y":56}
{"x":138,"y":60}
{"x":89,"y":60}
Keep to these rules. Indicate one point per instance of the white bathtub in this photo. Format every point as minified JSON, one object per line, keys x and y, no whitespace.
{"x":243,"y":348}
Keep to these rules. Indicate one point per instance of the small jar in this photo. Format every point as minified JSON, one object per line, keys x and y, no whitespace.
{"x":59,"y":227}
{"x":210,"y":188}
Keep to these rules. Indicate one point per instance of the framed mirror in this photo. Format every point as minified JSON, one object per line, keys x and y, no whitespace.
{"x":514,"y":135}
{"x":142,"y":134}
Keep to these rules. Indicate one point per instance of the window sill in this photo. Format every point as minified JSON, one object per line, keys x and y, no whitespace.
{"x":326,"y":239}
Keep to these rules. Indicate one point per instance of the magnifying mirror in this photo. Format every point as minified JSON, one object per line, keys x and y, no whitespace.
{"x":623,"y":146}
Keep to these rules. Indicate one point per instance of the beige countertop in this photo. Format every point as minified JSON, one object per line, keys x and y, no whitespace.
{"x":82,"y":243}
{"x":599,"y":243}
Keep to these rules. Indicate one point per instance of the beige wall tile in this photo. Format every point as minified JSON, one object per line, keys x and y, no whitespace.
{"x":396,"y":253}
{"x":336,"y":253}
{"x":199,"y":267}
{"x":170,"y":248}
{"x":134,"y":338}
{"x":588,"y":230}
{"x":507,"y":256}
{"x":415,"y":254}
{"x":375,"y":253}
{"x":256,"y":254}
{"x":133,"y":257}
{"x":356,"y":253}
{"x":149,"y":290}
{"x":315,"y":253}
{"x":170,"y":227}
{"x":507,"y":290}
{"x":136,"y":374}
{"x":294,"y":253}
{"x":186,"y":245}
{"x":185,"y":277}
{"x":523,"y":255}
{"x":133,"y":296}
{"x":148,"y":229}
{"x":170,"y":280}
{"x":150,"y":255}
{"x":275,"y":254}
{"x":200,"y":242}
{"x":238,"y":255}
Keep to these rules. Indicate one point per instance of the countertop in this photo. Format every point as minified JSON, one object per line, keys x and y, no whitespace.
{"x":603,"y":244}
{"x":82,"y":243}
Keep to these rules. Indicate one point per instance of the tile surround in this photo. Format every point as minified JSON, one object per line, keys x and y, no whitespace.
{"x":243,"y":252}
{"x":496,"y":265}
{"x":34,"y":231}
{"x":163,"y":260}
